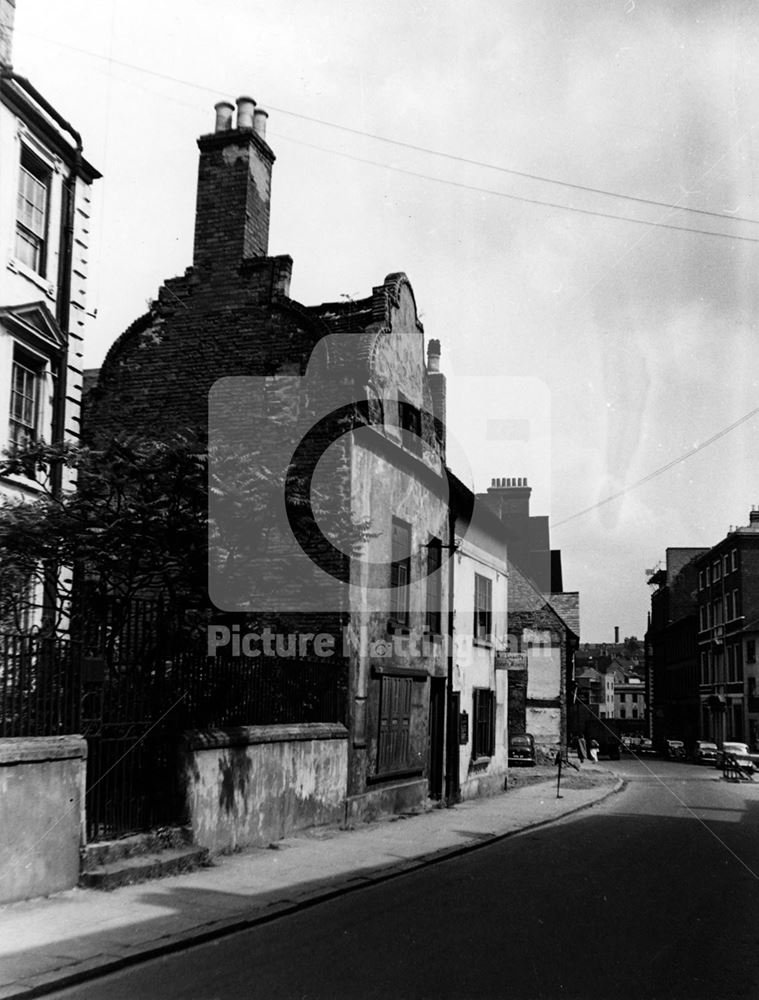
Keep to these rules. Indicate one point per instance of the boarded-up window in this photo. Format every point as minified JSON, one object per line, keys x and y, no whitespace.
{"x":394,"y":751}
{"x":484,"y":723}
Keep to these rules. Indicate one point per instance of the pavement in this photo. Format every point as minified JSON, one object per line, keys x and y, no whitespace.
{"x":67,"y":938}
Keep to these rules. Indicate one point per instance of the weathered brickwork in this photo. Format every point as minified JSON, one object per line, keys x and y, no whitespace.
{"x":230,"y":315}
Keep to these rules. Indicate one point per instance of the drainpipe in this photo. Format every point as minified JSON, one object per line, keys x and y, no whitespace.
{"x":451,"y":727}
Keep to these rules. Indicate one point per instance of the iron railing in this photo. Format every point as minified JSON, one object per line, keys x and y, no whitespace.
{"x":40,"y":684}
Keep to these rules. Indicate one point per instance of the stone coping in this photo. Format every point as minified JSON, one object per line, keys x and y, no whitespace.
{"x":211,"y":739}
{"x":29,"y":749}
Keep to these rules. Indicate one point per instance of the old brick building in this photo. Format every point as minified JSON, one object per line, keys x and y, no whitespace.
{"x":380,"y":446}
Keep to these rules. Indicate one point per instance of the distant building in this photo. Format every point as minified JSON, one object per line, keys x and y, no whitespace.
{"x":672,"y":654}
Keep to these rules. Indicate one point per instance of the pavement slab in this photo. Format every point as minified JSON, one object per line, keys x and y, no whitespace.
{"x":75,"y":935}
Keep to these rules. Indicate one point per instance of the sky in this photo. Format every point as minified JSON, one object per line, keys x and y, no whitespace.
{"x":625,"y":346}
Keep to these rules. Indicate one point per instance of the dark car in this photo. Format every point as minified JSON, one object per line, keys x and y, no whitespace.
{"x":675,"y":750}
{"x":705,"y":752}
{"x":646,"y":747}
{"x":522,"y":750}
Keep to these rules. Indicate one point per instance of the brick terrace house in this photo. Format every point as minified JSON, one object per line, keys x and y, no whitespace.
{"x":728,"y":630}
{"x":230,"y":315}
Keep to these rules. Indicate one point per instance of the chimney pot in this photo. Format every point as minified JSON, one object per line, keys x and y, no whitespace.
{"x":753,"y":515}
{"x":259,"y":122}
{"x":246,"y":107}
{"x":224,"y":111}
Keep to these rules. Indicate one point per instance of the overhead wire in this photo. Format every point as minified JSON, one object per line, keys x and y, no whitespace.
{"x":662,"y":469}
{"x":729,"y":216}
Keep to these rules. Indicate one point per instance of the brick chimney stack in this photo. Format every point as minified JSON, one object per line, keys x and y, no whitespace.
{"x":234,"y":188}
{"x":753,"y":516}
{"x":437,"y":388}
{"x":510,"y":498}
{"x":7,"y":17}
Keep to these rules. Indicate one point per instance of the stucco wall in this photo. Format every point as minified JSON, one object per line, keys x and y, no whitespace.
{"x":249,"y":786}
{"x":41,"y":815}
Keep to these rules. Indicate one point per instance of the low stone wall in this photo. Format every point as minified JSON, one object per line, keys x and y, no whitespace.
{"x":42,"y":783}
{"x":249,"y":786}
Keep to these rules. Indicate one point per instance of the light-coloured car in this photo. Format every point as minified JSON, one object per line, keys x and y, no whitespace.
{"x":739,"y":751}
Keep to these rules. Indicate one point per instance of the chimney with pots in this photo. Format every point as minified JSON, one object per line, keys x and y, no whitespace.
{"x":7,"y":17}
{"x":616,"y":635}
{"x":234,"y":188}
{"x":510,"y":497}
{"x":753,"y":516}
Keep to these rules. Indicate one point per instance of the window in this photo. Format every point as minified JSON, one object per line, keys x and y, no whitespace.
{"x":635,"y":699}
{"x":701,"y":580}
{"x":635,"y":712}
{"x":730,"y":663}
{"x":729,"y":608}
{"x":26,"y":392}
{"x":704,"y":667}
{"x":735,"y":559}
{"x":726,"y":565}
{"x":718,"y":612}
{"x":394,"y":748}
{"x":434,"y":596}
{"x":483,"y":608}
{"x":736,"y":606}
{"x":751,"y":651}
{"x":716,"y":571}
{"x":409,"y":421}
{"x":483,"y":737}
{"x":702,"y":611}
{"x":32,"y":212}
{"x":708,"y":577}
{"x":623,"y":713}
{"x":400,"y":571}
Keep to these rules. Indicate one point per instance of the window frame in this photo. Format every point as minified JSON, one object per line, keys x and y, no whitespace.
{"x":433,"y":617}
{"x":24,"y":433}
{"x":482,"y":631}
{"x":483,"y":722}
{"x":400,"y":572}
{"x":33,"y":170}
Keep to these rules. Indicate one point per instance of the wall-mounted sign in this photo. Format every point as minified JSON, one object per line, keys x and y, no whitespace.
{"x":463,"y":727}
{"x":510,"y":661}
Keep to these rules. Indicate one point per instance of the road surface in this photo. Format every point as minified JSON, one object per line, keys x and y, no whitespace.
{"x":654,"y":894}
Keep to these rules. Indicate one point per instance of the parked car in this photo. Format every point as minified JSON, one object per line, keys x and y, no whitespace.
{"x":737,"y":750}
{"x":675,"y":750}
{"x":704,"y":752}
{"x":646,"y":747}
{"x":522,"y":750}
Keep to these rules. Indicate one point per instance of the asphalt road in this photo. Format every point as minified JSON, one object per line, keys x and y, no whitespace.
{"x":654,"y":894}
